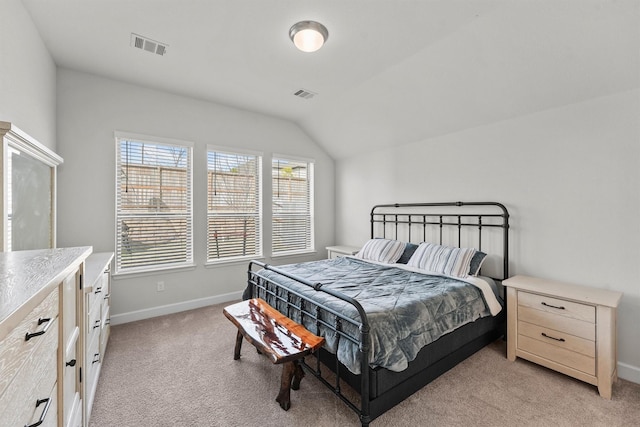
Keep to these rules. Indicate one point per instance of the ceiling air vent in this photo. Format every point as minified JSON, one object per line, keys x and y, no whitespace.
{"x":147,"y":44}
{"x":305,"y":94}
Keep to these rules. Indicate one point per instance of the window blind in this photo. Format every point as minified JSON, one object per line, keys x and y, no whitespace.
{"x":234,"y":220}
{"x":153,"y":205}
{"x":292,"y":210}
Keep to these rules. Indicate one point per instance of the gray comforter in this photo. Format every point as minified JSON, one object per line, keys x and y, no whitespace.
{"x":406,"y":310}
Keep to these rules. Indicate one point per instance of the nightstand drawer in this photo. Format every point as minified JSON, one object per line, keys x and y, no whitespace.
{"x":557,"y":322}
{"x":557,"y":354}
{"x":557,"y":338}
{"x":560,"y":307}
{"x":338,"y":251}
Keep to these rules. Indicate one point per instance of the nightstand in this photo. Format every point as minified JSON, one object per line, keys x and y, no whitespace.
{"x":564,"y":327}
{"x":336,"y":251}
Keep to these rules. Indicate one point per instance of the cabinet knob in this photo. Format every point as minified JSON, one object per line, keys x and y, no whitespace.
{"x":72,"y":362}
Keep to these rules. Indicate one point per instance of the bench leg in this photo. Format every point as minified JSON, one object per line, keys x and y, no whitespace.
{"x":291,"y":371}
{"x":298,"y":374}
{"x":236,"y":351}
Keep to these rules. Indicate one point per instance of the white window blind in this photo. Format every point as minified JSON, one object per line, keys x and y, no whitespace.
{"x":234,"y":219}
{"x":292,"y":188}
{"x":153,"y":205}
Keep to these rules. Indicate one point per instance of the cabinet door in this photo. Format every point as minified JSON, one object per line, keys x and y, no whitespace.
{"x":70,"y":365}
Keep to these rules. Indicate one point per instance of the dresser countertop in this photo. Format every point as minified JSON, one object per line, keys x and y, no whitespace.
{"x":27,"y":277}
{"x":94,"y":267}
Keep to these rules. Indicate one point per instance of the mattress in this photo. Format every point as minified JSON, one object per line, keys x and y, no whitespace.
{"x":407,"y":310}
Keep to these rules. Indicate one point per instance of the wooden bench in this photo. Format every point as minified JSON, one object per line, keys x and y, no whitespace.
{"x":278,"y":337}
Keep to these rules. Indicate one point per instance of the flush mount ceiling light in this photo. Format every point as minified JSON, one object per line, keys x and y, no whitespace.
{"x":308,"y":36}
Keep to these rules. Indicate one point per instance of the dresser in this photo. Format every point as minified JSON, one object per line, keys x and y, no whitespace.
{"x":40,"y":337}
{"x":566,"y":327}
{"x":96,"y":296}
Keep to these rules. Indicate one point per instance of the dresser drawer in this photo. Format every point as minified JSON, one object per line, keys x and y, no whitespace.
{"x":34,"y":381}
{"x":560,"y":307}
{"x":106,"y":329}
{"x":93,"y":364}
{"x":50,"y":417}
{"x":557,"y":322}
{"x":94,"y":322}
{"x":557,"y":338}
{"x":14,"y":349}
{"x":105,"y":284}
{"x":558,"y":354}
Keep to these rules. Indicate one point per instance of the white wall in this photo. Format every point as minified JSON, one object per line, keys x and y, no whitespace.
{"x":27,"y":76}
{"x":570,"y":178}
{"x":91,"y":108}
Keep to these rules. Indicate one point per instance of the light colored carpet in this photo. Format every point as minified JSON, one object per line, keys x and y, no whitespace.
{"x":178,"y":370}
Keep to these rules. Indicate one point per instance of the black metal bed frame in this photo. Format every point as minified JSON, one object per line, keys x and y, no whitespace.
{"x":304,"y":310}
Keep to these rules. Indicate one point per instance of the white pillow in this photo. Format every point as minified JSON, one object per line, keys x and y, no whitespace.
{"x":382,"y":250}
{"x":442,"y":259}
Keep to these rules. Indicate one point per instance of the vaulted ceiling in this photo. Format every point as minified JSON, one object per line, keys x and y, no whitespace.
{"x":392,"y":72}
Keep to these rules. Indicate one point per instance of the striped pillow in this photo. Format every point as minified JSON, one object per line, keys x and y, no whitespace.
{"x":382,"y":250}
{"x":442,"y":259}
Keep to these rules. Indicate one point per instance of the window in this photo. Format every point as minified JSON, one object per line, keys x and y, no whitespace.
{"x":153,"y":204}
{"x":234,"y":216}
{"x":292,"y":228}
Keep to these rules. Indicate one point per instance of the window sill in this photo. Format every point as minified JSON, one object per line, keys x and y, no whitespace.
{"x":154,"y":272}
{"x":234,"y":261}
{"x":296,"y":254}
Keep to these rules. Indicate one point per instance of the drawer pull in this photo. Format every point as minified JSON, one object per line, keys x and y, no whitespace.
{"x":41,"y":320}
{"x":71,"y":363}
{"x":96,"y":358}
{"x":552,"y":306}
{"x":98,"y":290}
{"x":96,"y":324}
{"x":43,"y":415}
{"x":553,"y":338}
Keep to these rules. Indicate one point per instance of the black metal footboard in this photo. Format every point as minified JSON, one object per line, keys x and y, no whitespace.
{"x":303,"y":310}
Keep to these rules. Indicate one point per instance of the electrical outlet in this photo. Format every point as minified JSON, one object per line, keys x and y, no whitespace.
{"x":160,"y":287}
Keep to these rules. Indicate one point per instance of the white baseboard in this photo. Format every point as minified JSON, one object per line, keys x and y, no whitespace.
{"x":148,"y":313}
{"x":629,"y":372}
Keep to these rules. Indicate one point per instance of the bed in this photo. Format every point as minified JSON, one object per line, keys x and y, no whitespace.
{"x":422,"y":295}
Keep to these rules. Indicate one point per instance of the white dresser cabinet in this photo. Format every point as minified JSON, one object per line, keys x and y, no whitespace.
{"x":39,"y":337}
{"x":97,"y":290}
{"x":565,"y":327}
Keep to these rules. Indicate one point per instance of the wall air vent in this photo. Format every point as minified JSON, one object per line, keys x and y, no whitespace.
{"x":305,"y":94}
{"x":147,"y":44}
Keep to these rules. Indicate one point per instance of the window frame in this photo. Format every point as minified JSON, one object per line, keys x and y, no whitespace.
{"x":310,"y":165}
{"x":259,"y":157}
{"x":189,"y":261}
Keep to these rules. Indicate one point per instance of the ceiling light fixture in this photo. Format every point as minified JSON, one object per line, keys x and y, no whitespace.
{"x":308,"y":36}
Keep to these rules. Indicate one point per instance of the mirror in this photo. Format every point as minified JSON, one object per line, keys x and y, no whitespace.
{"x":28,"y":186}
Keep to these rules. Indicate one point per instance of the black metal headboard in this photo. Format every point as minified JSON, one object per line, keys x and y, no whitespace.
{"x":452,"y":223}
